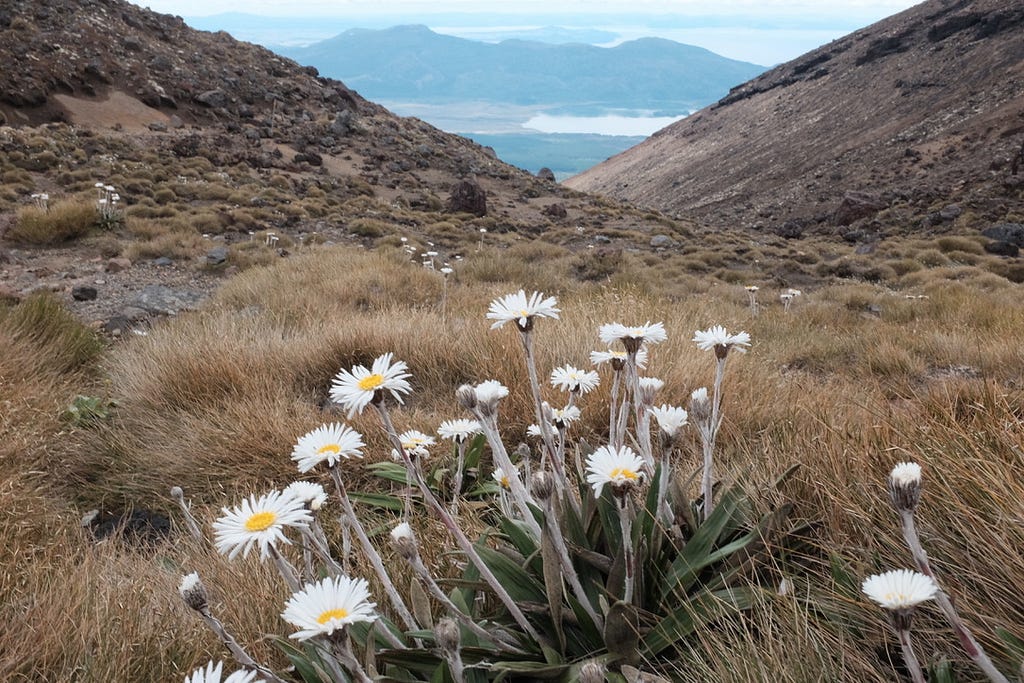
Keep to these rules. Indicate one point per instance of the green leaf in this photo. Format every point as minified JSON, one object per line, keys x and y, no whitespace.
{"x":521,"y":586}
{"x":695,"y":554}
{"x":305,"y":660}
{"x":1015,"y":644}
{"x":392,"y":471}
{"x":379,"y":500}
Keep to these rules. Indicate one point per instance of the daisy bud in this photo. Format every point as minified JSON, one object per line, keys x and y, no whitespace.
{"x":593,"y":672}
{"x":446,"y":634}
{"x":193,"y":592}
{"x":404,"y":541}
{"x":700,"y":405}
{"x":542,"y":485}
{"x":466,"y":396}
{"x":905,"y":486}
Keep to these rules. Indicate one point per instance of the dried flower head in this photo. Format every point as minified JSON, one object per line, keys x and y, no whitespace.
{"x":446,"y":635}
{"x":404,"y":541}
{"x":905,"y":486}
{"x":193,"y":592}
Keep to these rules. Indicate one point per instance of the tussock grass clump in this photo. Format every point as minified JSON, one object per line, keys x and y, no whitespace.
{"x":64,"y":221}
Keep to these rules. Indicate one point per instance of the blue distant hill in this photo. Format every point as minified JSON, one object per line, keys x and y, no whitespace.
{"x":415,"y":64}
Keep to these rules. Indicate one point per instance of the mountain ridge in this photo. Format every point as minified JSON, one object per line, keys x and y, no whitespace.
{"x":411,"y":62}
{"x":921,"y":107}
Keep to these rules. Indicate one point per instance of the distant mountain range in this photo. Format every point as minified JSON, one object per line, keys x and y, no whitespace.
{"x":413,"y":63}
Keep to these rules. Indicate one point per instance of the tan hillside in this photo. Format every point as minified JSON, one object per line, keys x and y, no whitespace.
{"x":922,"y":109}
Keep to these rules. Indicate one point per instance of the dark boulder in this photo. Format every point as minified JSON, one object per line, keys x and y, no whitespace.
{"x":468,"y":197}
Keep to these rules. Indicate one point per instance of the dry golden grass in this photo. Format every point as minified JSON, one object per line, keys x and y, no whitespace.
{"x":852,"y":380}
{"x":62,"y":222}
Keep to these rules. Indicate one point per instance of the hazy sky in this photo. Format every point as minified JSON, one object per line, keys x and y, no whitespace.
{"x":765,"y":32}
{"x":750,"y":8}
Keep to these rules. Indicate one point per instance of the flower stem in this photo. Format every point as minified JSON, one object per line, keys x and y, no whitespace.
{"x":342,"y":649}
{"x":423,"y":574}
{"x":708,"y":439}
{"x":456,"y":532}
{"x":909,"y":658}
{"x":626,"y":526}
{"x":963,"y":634}
{"x":551,"y":518}
{"x":372,"y":554}
{"x":237,"y":651}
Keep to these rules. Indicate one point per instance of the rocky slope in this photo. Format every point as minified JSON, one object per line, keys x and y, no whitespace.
{"x":213,"y":143}
{"x":919,"y":111}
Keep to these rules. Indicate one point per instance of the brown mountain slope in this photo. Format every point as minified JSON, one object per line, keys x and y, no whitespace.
{"x":924,"y":107}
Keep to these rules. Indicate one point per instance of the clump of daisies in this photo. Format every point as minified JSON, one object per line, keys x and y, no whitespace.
{"x":583,"y":539}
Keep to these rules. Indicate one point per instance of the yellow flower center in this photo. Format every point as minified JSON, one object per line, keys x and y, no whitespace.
{"x":523,"y":313}
{"x":332,"y":448}
{"x":895,"y":597}
{"x":261,"y":521}
{"x":371,"y":382}
{"x":504,"y":482}
{"x":622,"y":473}
{"x":339,"y":613}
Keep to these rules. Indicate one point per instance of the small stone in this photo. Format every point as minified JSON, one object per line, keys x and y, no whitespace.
{"x":163,"y":261}
{"x":217,"y":256}
{"x":661,"y":242}
{"x":116,"y":265}
{"x":84,"y":293}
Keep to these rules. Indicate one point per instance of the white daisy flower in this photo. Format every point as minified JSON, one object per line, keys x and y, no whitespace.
{"x":899,"y":589}
{"x":487,"y":394}
{"x":415,"y":442}
{"x":720,"y":341}
{"x":568,"y":378}
{"x":618,"y":467}
{"x":330,"y":605}
{"x":327,"y":443}
{"x":752,"y":288}
{"x":356,"y":389}
{"x":258,"y":521}
{"x":617,"y":358}
{"x":670,"y":419}
{"x":502,"y":478}
{"x":458,"y":430}
{"x":534,"y":431}
{"x":636,"y":335}
{"x":563,"y":417}
{"x":648,"y":387}
{"x":309,"y":492}
{"x":212,"y":674}
{"x":517,"y":307}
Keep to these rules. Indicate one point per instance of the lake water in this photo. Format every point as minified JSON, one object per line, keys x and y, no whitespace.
{"x":610,"y":124}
